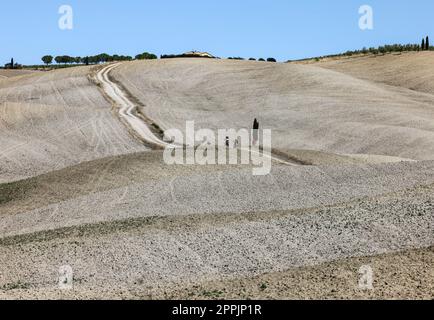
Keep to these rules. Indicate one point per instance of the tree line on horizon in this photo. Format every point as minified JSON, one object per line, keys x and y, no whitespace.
{"x":424,"y":46}
{"x":104,"y":57}
{"x":253,"y":59}
{"x":100,"y":58}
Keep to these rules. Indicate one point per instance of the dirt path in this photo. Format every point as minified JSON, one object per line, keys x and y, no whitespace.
{"x":127,"y":109}
{"x":128,"y":112}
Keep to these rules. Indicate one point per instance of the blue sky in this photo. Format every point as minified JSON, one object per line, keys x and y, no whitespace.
{"x":282,"y":29}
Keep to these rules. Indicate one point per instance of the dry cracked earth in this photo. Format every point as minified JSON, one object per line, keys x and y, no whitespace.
{"x":79,"y":188}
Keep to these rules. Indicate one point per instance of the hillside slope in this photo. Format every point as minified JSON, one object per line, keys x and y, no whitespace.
{"x":8,"y":73}
{"x":131,"y":226}
{"x":411,"y":70}
{"x":307,"y":107}
{"x":53,"y":120}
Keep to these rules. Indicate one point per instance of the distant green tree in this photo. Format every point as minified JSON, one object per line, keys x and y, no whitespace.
{"x":427,"y":43}
{"x":271,"y":60}
{"x":261,"y":59}
{"x":59,"y":59}
{"x":146,"y":56}
{"x":423,"y":44}
{"x":121,"y":58}
{"x":103,"y":57}
{"x":47,"y":60}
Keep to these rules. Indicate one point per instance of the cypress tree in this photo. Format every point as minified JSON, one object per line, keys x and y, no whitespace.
{"x":255,"y":131}
{"x":423,"y":44}
{"x":427,"y":43}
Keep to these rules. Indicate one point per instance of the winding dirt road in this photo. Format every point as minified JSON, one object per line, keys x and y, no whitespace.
{"x":128,"y":112}
{"x":127,"y":109}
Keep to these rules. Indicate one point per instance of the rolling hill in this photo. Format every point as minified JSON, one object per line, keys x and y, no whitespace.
{"x":78,"y":188}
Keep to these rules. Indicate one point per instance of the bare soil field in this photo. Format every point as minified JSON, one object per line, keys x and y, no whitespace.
{"x":10,"y":73}
{"x":53,"y":120}
{"x":81,"y":190}
{"x":335,"y":280}
{"x":411,"y":70}
{"x":307,"y":107}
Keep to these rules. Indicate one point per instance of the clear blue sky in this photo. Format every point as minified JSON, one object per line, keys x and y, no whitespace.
{"x":282,"y":29}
